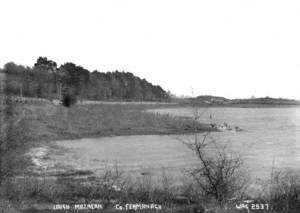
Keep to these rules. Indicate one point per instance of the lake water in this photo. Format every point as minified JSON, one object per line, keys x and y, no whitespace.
{"x":271,"y":138}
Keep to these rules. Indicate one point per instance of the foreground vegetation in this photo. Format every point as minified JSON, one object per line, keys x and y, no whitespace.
{"x":28,"y":194}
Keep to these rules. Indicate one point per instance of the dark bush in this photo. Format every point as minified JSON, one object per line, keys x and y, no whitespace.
{"x":69,"y":100}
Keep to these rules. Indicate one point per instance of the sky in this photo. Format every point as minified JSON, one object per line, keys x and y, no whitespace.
{"x":232,"y":48}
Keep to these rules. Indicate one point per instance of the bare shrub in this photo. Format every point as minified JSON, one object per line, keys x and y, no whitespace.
{"x":220,"y":174}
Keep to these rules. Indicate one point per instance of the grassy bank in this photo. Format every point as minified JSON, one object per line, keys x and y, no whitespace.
{"x":50,"y":122}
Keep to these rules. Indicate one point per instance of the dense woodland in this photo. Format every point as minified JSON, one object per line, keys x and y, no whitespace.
{"x":46,"y":80}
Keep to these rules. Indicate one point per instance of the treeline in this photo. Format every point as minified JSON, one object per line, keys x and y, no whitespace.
{"x":46,"y":80}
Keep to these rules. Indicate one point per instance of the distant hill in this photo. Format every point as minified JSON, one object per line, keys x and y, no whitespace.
{"x":46,"y":80}
{"x":266,"y":101}
{"x":221,"y":101}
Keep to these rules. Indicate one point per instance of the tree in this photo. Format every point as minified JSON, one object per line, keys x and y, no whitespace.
{"x":77,"y":79}
{"x":17,"y":75}
{"x":48,"y":76}
{"x":45,"y":63}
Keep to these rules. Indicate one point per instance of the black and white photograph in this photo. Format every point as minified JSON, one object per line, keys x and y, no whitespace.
{"x":149,"y":106}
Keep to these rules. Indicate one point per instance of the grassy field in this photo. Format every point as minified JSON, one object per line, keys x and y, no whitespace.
{"x":50,"y":122}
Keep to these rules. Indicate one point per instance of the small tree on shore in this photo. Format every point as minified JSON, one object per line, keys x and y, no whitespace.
{"x":220,"y":174}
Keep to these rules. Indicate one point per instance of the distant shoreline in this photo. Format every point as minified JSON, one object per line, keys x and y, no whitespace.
{"x":243,"y":105}
{"x":214,"y":101}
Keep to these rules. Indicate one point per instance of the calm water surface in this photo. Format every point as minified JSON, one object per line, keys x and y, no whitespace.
{"x":271,"y":138}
